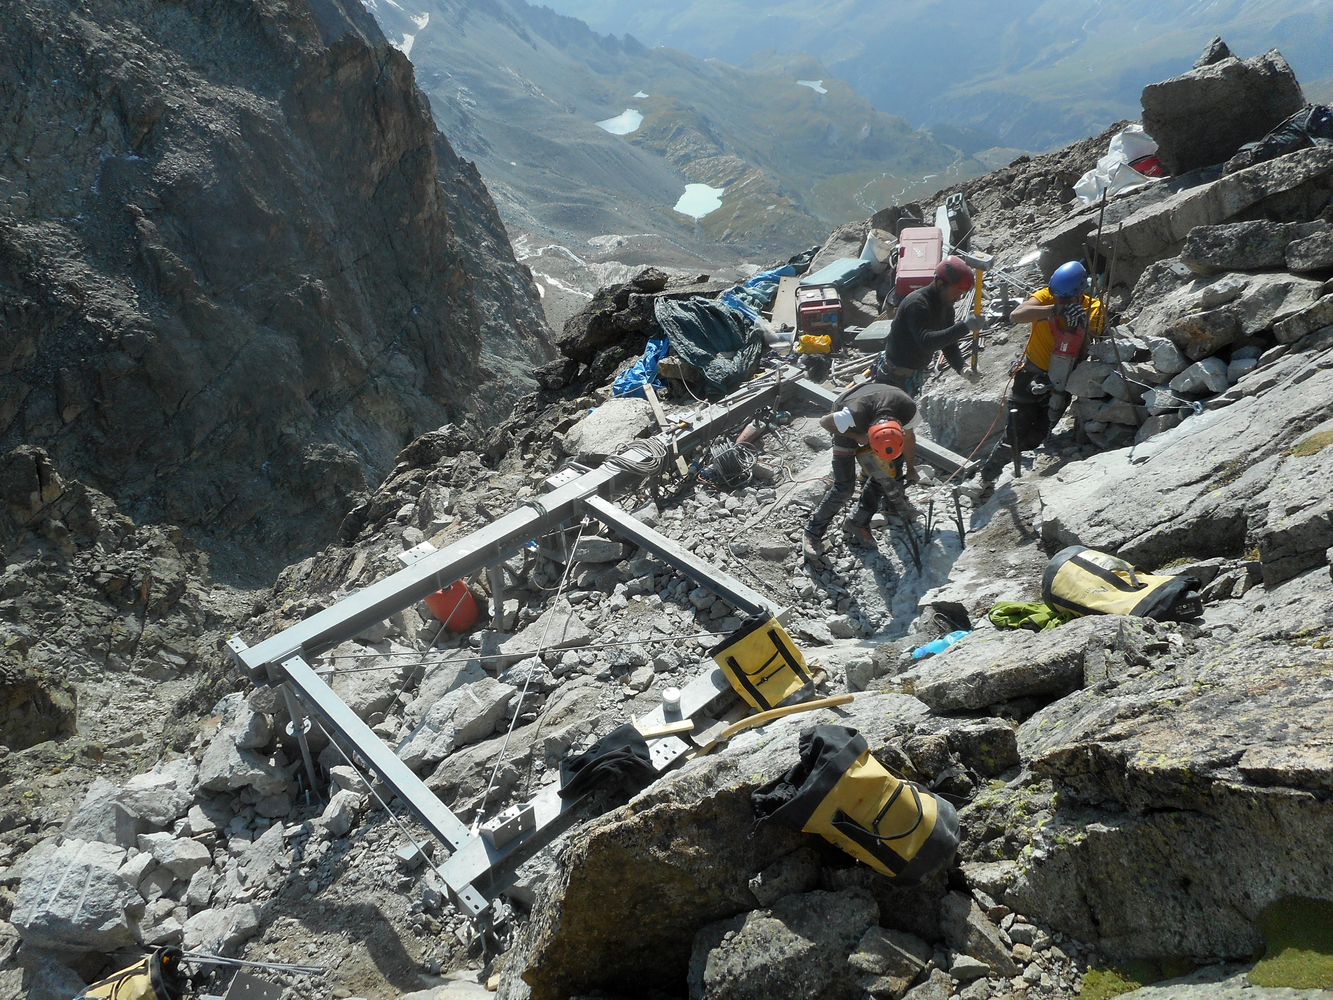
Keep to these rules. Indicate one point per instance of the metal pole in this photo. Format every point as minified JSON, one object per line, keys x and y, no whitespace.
{"x":298,"y":727}
{"x":1098,"y":246}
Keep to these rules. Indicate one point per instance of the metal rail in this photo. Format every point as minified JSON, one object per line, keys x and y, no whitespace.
{"x":703,"y":573}
{"x":476,"y":859}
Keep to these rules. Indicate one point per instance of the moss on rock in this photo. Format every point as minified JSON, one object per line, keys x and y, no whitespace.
{"x":1299,"y":937}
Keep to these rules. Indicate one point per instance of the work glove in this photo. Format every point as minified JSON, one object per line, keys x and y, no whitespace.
{"x":1074,"y":316}
{"x":974,"y":323}
{"x":970,"y":375}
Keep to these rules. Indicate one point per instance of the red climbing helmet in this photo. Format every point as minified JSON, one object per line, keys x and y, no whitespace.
{"x":886,"y":439}
{"x":955,"y":273}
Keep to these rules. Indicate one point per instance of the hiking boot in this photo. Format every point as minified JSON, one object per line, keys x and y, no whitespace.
{"x":858,"y":535}
{"x":812,"y":548}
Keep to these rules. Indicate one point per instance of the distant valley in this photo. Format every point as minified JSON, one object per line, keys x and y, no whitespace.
{"x":777,"y":152}
{"x":1032,"y":73}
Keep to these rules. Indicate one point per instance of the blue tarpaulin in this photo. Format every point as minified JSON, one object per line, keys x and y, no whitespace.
{"x":643,"y":372}
{"x":720,"y":341}
{"x":758,"y":292}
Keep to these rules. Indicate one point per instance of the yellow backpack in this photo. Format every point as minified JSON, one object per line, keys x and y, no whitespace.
{"x":764,"y":665}
{"x":841,"y":792}
{"x":1082,"y":581}
{"x":158,"y":976}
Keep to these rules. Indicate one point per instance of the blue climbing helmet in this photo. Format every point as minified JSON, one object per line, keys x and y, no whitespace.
{"x":1067,"y":281}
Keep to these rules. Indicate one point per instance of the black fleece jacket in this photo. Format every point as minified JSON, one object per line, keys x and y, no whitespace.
{"x":923,"y":325}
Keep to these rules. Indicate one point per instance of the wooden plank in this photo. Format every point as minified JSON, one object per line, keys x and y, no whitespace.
{"x":669,"y":729}
{"x":657,"y":407}
{"x":784,"y":305}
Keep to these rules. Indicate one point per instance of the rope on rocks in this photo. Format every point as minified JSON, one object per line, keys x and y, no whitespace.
{"x":518,"y":708}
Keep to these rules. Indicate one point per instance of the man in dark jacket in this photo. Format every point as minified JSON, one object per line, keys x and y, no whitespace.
{"x":925,"y":324}
{"x":881,"y":418}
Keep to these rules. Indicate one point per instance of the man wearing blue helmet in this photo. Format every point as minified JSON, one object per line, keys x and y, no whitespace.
{"x":1034,"y":403}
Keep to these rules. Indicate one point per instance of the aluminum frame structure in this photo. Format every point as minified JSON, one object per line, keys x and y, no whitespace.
{"x":488,"y":862}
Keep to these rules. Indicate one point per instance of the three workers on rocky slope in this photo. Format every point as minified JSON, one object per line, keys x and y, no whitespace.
{"x":877,"y":419}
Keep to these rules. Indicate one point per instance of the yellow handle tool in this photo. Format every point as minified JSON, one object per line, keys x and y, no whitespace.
{"x":770,"y":715}
{"x":976,"y":311}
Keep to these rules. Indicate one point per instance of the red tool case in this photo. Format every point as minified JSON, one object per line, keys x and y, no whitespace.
{"x":919,"y":251}
{"x":819,"y":311}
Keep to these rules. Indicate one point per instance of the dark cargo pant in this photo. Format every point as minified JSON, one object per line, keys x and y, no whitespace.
{"x":844,"y":486}
{"x":1029,"y":419}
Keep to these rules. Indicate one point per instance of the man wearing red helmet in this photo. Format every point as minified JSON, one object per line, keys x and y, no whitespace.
{"x":881,"y":417}
{"x":924,"y":324}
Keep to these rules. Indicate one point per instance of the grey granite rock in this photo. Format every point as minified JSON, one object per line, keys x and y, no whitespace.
{"x":1207,"y":113}
{"x":73,"y":899}
{"x":797,"y":947}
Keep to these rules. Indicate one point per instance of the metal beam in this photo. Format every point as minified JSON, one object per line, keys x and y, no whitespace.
{"x":496,"y":541}
{"x":704,"y":574}
{"x":478,"y":862}
{"x":352,"y":615}
{"x":714,"y":416}
{"x":283,"y":657}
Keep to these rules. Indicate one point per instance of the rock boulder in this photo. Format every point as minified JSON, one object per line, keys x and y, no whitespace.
{"x":1248,"y":475}
{"x":990,"y":667}
{"x":1246,"y":246}
{"x":797,"y":948}
{"x":73,"y":899}
{"x":636,"y":885}
{"x":1204,"y":115}
{"x":615,"y":423}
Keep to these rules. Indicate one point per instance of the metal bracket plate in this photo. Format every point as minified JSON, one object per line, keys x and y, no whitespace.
{"x":416,"y":553}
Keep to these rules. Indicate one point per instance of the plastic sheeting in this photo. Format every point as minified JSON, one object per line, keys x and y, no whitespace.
{"x":758,"y":292}
{"x":643,"y":372}
{"x":842,"y":273}
{"x":720,"y":341}
{"x":1114,"y":172}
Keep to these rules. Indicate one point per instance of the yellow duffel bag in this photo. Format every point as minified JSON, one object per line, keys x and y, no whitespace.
{"x":158,"y":976}
{"x":841,"y":792}
{"x":764,"y":665}
{"x":1082,"y":581}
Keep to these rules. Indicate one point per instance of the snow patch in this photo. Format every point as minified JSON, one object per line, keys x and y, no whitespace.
{"x":622,"y":124}
{"x":699,"y":199}
{"x":816,"y":85}
{"x":640,"y":96}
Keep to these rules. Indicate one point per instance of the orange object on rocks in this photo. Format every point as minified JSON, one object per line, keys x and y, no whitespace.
{"x":454,"y":607}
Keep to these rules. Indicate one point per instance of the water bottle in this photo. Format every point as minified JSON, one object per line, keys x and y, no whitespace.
{"x":938,"y":646}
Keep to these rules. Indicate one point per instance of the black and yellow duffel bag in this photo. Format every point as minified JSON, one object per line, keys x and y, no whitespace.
{"x":1083,"y":581}
{"x":158,"y":976}
{"x":841,"y":792}
{"x":764,"y":665}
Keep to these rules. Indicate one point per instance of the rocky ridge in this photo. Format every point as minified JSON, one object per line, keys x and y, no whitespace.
{"x":240,"y":266}
{"x":1106,"y":766}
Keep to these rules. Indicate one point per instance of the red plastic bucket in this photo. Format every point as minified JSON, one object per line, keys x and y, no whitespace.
{"x":454,"y":607}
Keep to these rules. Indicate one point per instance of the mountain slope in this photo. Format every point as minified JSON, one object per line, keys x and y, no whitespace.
{"x":1036,"y":72}
{"x":233,"y":284}
{"x":520,"y":89}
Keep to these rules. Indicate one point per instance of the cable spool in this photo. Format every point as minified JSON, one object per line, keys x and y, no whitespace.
{"x":731,"y":465}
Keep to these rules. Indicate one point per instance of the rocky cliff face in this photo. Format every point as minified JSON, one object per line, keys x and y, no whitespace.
{"x":239,"y":267}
